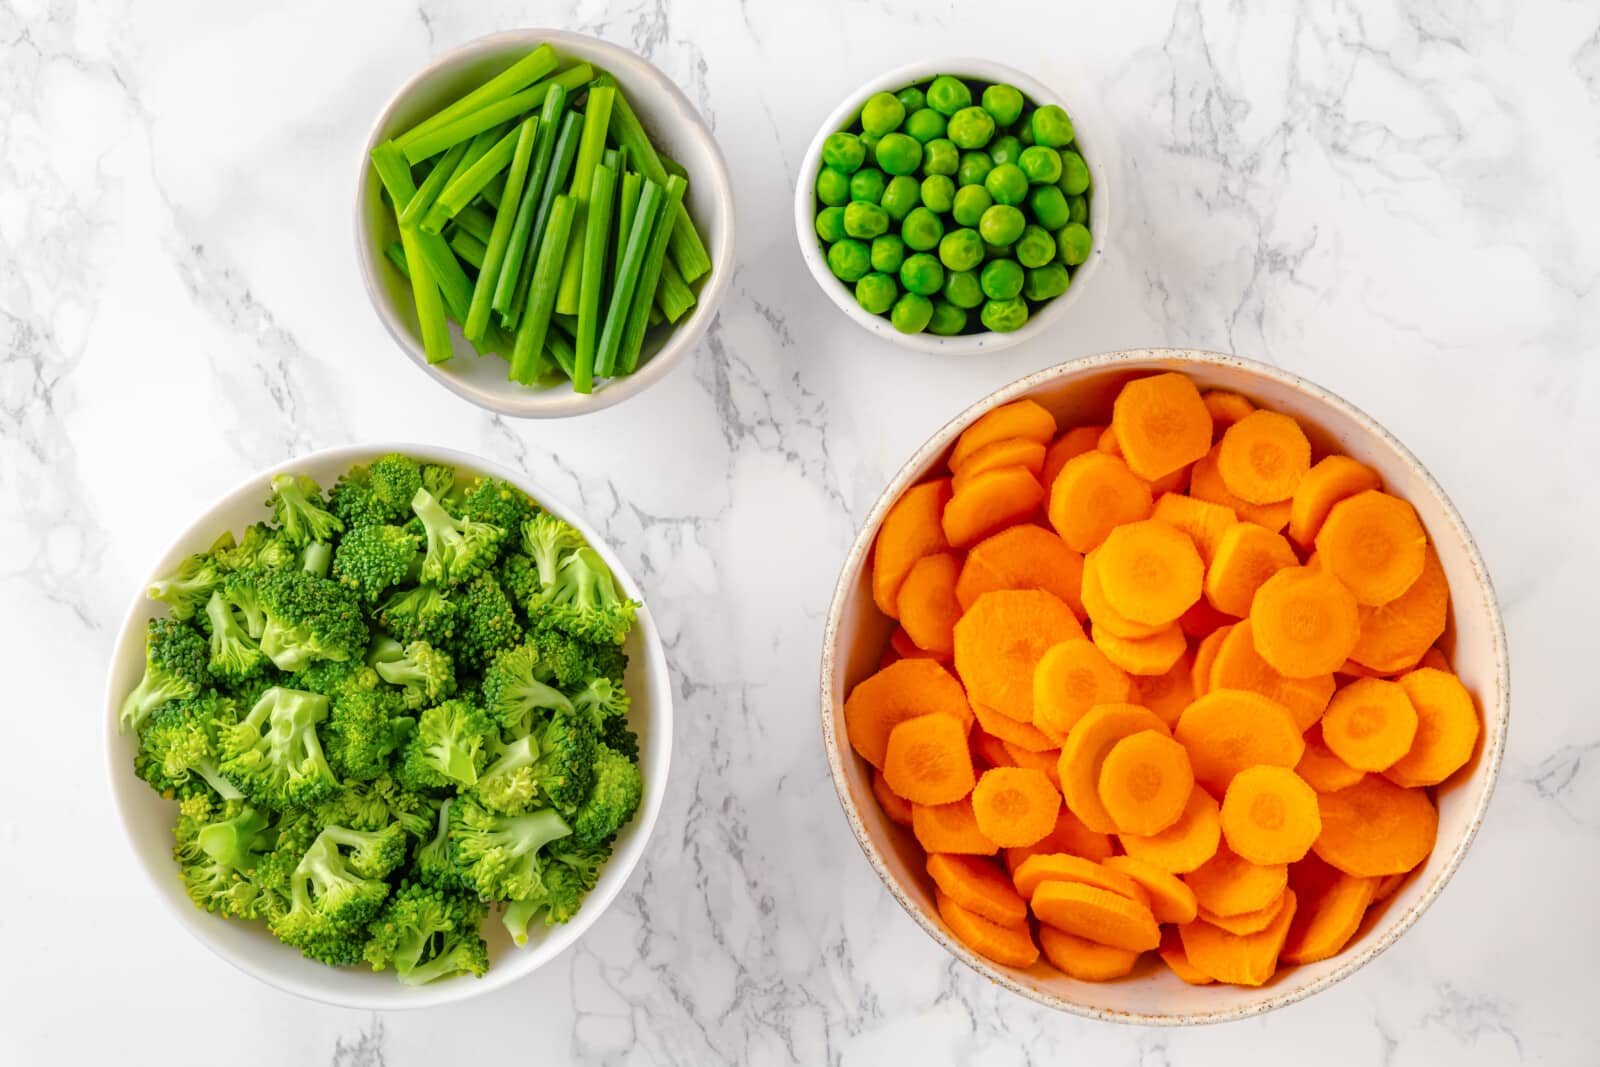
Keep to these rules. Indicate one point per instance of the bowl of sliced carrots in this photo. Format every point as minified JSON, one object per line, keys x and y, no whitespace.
{"x":1164,"y":687}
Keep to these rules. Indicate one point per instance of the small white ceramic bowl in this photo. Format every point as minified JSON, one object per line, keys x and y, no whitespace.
{"x":1080,"y":393}
{"x":147,"y":818}
{"x":675,"y":128}
{"x":1095,"y":152}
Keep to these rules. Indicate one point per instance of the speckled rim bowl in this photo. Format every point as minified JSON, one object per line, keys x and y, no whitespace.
{"x":1080,"y":393}
{"x":147,"y":818}
{"x":1096,"y":153}
{"x":675,"y":127}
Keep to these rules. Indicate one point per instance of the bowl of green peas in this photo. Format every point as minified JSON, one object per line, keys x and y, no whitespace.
{"x":952,"y":206}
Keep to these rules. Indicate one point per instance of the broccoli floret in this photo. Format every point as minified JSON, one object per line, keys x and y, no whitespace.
{"x":373,"y":853}
{"x":498,"y":855}
{"x":235,"y":655}
{"x":218,"y":868}
{"x":426,"y":933}
{"x":426,"y":673}
{"x":585,"y":601}
{"x":308,"y":618}
{"x":186,"y":590}
{"x":602,"y":700}
{"x":618,"y":788}
{"x":520,"y":579}
{"x":330,"y":905}
{"x":331,"y":677}
{"x":420,"y":614}
{"x":487,"y":623}
{"x":297,"y":505}
{"x":180,"y":744}
{"x":262,"y":546}
{"x":175,"y":668}
{"x":380,"y":493}
{"x":568,"y":877}
{"x":375,"y":804}
{"x":515,"y":690}
{"x":498,"y":503}
{"x":552,"y":766}
{"x":457,"y":548}
{"x":448,"y":748}
{"x":546,"y":540}
{"x":365,"y":729}
{"x":372,"y":559}
{"x":619,"y":737}
{"x":273,"y":754}
{"x":572,"y":661}
{"x":238,"y":592}
{"x":433,"y":863}
{"x":439,"y":480}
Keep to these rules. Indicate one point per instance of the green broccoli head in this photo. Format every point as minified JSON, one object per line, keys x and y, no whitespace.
{"x":433,"y":863}
{"x":221,"y":859}
{"x":377,"y":494}
{"x":422,"y":613}
{"x":176,"y":660}
{"x":584,"y":600}
{"x":273,"y":755}
{"x":439,"y":480}
{"x":375,"y":804}
{"x":447,"y":751}
{"x":498,"y":503}
{"x":235,"y":655}
{"x":262,"y":546}
{"x":330,"y":905}
{"x":568,"y":875}
{"x":546,"y":540}
{"x":332,"y":677}
{"x":565,"y":769}
{"x":571,"y":661}
{"x":615,"y":796}
{"x":499,"y":855}
{"x":426,"y":674}
{"x":602,"y":700}
{"x":487,"y":623}
{"x":457,"y":549}
{"x":308,"y":618}
{"x":515,"y":690}
{"x":426,"y":933}
{"x":520,"y":579}
{"x":186,"y":590}
{"x":365,"y":729}
{"x":179,"y":744}
{"x":374,"y":558}
{"x":298,"y":507}
{"x":373,"y":853}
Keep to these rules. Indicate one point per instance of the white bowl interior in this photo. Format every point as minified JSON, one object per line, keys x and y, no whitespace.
{"x":674,"y":127}
{"x":1095,"y":151}
{"x":148,"y":818}
{"x":1080,"y":393}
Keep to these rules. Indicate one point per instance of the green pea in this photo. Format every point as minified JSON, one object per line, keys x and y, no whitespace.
{"x":1025,"y":132}
{"x":1003,"y":102}
{"x":1007,"y":184}
{"x":1001,"y":224}
{"x":830,"y":224}
{"x":921,"y":274}
{"x":925,"y":125}
{"x":961,"y":288}
{"x":1042,"y":165}
{"x":902,"y":194}
{"x":1047,"y":205}
{"x":1074,"y":174}
{"x":961,"y":249}
{"x":971,"y":201}
{"x":843,"y":151}
{"x":1051,"y":126}
{"x":882,"y":113}
{"x":1034,"y":248}
{"x":975,"y":167}
{"x":911,"y":313}
{"x":971,"y":127}
{"x":940,"y":156}
{"x":864,"y":219}
{"x":898,"y":154}
{"x":849,"y":259}
{"x":921,"y":229}
{"x":1075,"y":243}
{"x":888,"y":252}
{"x":1078,"y":206}
{"x":938,"y":193}
{"x":1006,"y":149}
{"x":876,"y":292}
{"x":833,"y":186}
{"x":1001,"y":279}
{"x":911,"y":99}
{"x":948,"y":95}
{"x":1046,"y":282}
{"x":1005,"y":316}
{"x":947,"y":320}
{"x":867,"y":184}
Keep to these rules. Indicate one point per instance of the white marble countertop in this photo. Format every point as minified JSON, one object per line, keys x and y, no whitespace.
{"x":1395,"y":200}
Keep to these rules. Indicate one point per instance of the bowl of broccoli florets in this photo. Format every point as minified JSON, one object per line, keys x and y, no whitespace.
{"x":388,"y":726}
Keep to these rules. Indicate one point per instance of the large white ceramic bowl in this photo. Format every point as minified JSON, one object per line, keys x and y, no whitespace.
{"x":1080,"y":393}
{"x":147,"y":818}
{"x":675,"y":127}
{"x":1095,"y":151}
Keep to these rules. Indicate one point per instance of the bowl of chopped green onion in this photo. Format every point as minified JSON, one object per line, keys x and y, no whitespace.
{"x":544,"y":222}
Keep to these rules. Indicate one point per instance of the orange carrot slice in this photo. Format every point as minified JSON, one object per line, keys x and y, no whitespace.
{"x":1205,"y":483}
{"x":1073,"y":442}
{"x":1145,"y":782}
{"x":1009,"y":946}
{"x":1447,"y":728}
{"x":1166,"y":694}
{"x":903,"y":647}
{"x":1330,"y":480}
{"x":1373,"y":543}
{"x":1097,"y":915}
{"x":1046,"y":763}
{"x":927,"y":761}
{"x":897,"y":807}
{"x":1161,"y":424}
{"x":1205,"y":655}
{"x":1061,"y":867}
{"x":913,"y":528}
{"x":1085,"y":751}
{"x":1396,"y":635}
{"x":1020,"y":418}
{"x":1237,"y":665}
{"x":1263,"y":456}
{"x":1157,"y":654}
{"x":1229,"y":884}
{"x":1226,"y":408}
{"x":1085,"y":960}
{"x":1187,"y":843}
{"x":950,"y":828}
{"x":928,"y":605}
{"x":1270,"y":815}
{"x":1094,"y":494}
{"x":1012,"y":732}
{"x":1331,"y":907}
{"x":1177,"y":960}
{"x":903,"y":690}
{"x":1171,"y":899}
{"x":1101,"y":612}
{"x":1305,"y":622}
{"x":1370,"y":724}
{"x":1015,"y":806}
{"x":1321,"y":769}
{"x":1228,"y":730}
{"x":1010,"y":452}
{"x":1245,"y":557}
{"x":1250,"y":922}
{"x":989,"y":501}
{"x":1069,"y":836}
{"x":1149,"y":572}
{"x":1022,"y":557}
{"x":1376,"y":827}
{"x":999,"y":641}
{"x":1108,"y":443}
{"x":1071,"y":678}
{"x":979,"y":886}
{"x":1247,"y":960}
{"x":1203,"y":521}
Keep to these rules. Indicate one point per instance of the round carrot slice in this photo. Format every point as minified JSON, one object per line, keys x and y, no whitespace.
{"x":999,"y":642}
{"x":1073,"y":442}
{"x":1093,"y":495}
{"x":1270,"y":815}
{"x":913,"y":528}
{"x":927,"y":761}
{"x":1187,"y":843}
{"x":1376,"y":827}
{"x":1237,"y":665}
{"x":989,"y":501}
{"x":1145,"y":783}
{"x":927,"y":603}
{"x":1161,"y":424}
{"x":1240,"y":959}
{"x":1015,"y":806}
{"x":902,"y":690}
{"x":1085,"y":750}
{"x":1205,"y":655}
{"x":1229,"y":884}
{"x":1373,"y":543}
{"x":1330,"y":480}
{"x":1012,"y":732}
{"x":1156,"y":654}
{"x":1171,"y":900}
{"x":1328,"y":915}
{"x":950,"y":828}
{"x":1009,"y":946}
{"x":1203,"y":521}
{"x":1305,"y":622}
{"x":1321,"y":769}
{"x":1096,"y":914}
{"x":1246,"y":556}
{"x":1394,"y":636}
{"x":1061,"y":867}
{"x":1226,"y":408}
{"x":1370,"y":724}
{"x":1447,"y":728}
{"x":1024,"y":556}
{"x":1071,"y":678}
{"x":897,"y":807}
{"x":1250,"y":922}
{"x":1228,"y":730}
{"x":988,"y":749}
{"x":1263,"y":456}
{"x":1205,"y":483}
{"x":1177,"y":960}
{"x":1085,"y":960}
{"x":1020,"y":418}
{"x":1070,"y":836}
{"x":1166,"y":694}
{"x":1009,"y":452}
{"x":979,"y":886}
{"x":1046,"y":763}
{"x":1150,"y":572}
{"x":1099,"y":609}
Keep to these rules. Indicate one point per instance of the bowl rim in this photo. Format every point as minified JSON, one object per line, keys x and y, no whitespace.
{"x":1493,"y":747}
{"x":672,"y":106}
{"x":598,"y":902}
{"x":968,"y":344}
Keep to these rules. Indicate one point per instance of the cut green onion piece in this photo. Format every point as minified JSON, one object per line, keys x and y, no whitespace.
{"x":475,"y":221}
{"x":555,"y":181}
{"x":673,"y":295}
{"x":468,"y":248}
{"x":468,"y":184}
{"x":644,"y":218}
{"x":629,"y":187}
{"x":644,"y":296}
{"x":596,"y":118}
{"x":505,"y":286}
{"x":527,"y":355}
{"x":494,"y":254}
{"x":597,"y":232}
{"x":521,"y":74}
{"x":432,"y":186}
